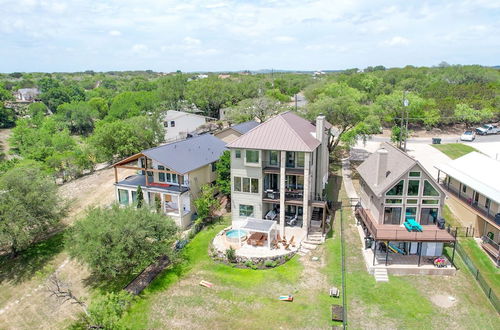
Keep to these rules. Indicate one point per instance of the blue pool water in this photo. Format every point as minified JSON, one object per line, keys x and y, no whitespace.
{"x":236,"y":233}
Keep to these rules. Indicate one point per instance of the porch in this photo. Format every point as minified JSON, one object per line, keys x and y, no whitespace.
{"x":492,"y":248}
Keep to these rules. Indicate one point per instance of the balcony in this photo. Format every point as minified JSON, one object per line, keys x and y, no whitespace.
{"x":274,"y":168}
{"x":474,"y":206}
{"x":294,"y":197}
{"x":381,"y":232}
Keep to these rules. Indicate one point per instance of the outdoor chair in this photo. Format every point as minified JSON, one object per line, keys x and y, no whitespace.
{"x":292,"y":242}
{"x":334,"y":292}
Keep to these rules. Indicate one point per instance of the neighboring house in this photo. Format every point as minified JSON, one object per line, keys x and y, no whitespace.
{"x":396,"y":189}
{"x":172,"y":173}
{"x":473,"y":181}
{"x":27,"y":94}
{"x":178,"y":124}
{"x":229,"y":134}
{"x":279,"y":170}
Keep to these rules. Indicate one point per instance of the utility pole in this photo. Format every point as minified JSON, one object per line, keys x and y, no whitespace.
{"x":295,"y":102}
{"x":406,"y":103}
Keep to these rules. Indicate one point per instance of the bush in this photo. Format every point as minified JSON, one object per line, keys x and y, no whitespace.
{"x":106,"y":311}
{"x":248,"y":264}
{"x":231,"y":254}
{"x":270,"y":263}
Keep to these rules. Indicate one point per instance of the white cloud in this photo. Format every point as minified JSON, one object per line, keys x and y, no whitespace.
{"x":140,"y":48}
{"x":396,"y":41}
{"x":189,"y":41}
{"x":115,"y":33}
{"x":284,"y":39}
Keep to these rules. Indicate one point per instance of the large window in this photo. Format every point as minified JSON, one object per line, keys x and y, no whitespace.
{"x":290,"y":159}
{"x":429,"y":190}
{"x":252,"y":156}
{"x":248,"y":185}
{"x":397,"y":190}
{"x":237,"y":183}
{"x":300,"y":159}
{"x":123,"y":196}
{"x":171,"y":178}
{"x":392,"y":215}
{"x":428,"y":216}
{"x":414,"y":174}
{"x":246,"y":210}
{"x":273,"y":158}
{"x":161,"y":176}
{"x":411,"y":213}
{"x":393,"y":201}
{"x":413,"y":186}
{"x":294,"y":182}
{"x":134,"y":196}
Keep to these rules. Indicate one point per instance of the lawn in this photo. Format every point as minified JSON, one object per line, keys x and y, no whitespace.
{"x":454,"y":150}
{"x":240,"y":298}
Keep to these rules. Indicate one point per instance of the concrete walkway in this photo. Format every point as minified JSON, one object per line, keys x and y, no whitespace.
{"x":346,"y":175}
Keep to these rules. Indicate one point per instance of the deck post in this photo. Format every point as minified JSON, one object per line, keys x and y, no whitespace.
{"x":459,"y":190}
{"x":386,"y":252}
{"x":116,"y":174}
{"x":374,"y":252}
{"x":453,"y":253}
{"x":419,"y":250}
{"x":282,"y":192}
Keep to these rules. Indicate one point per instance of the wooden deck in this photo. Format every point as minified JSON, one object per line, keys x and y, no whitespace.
{"x":494,"y":251}
{"x":381,"y":232}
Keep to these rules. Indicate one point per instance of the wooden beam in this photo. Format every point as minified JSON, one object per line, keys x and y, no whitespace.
{"x":116,"y":175}
{"x":145,"y":169}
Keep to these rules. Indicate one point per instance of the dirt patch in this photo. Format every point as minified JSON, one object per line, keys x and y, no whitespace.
{"x":4,"y":142}
{"x":312,"y":278}
{"x":444,"y":301}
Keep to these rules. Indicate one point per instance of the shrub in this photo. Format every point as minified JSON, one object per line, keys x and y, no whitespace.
{"x":248,"y":263}
{"x":270,"y":263}
{"x":231,"y":254}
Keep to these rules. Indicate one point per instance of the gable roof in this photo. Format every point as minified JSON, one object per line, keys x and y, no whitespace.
{"x":476,"y":171}
{"x":175,"y":114}
{"x":188,"y":155}
{"x":398,"y":163}
{"x":286,"y":131}
{"x":245,"y":127}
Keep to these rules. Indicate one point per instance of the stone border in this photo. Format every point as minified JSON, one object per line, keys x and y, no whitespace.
{"x":248,"y":262}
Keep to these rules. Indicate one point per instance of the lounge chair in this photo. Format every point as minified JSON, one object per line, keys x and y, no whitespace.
{"x":292,"y":242}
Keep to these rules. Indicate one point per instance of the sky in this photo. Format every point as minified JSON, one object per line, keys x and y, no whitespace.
{"x":222,"y":35}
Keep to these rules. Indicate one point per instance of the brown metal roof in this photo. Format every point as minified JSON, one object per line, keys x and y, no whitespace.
{"x":286,"y":131}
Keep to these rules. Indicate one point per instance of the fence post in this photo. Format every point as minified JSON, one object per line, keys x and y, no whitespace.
{"x":489,"y":293}
{"x":467,"y":232}
{"x":477,"y":274}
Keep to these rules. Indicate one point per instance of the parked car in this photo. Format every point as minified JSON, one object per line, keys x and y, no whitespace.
{"x":488,"y":129}
{"x":468,"y":136}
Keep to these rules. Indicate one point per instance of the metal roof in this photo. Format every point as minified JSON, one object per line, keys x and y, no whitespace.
{"x":187,"y":155}
{"x":285,"y":131}
{"x":477,"y":171}
{"x":140,"y":180}
{"x":258,"y":225}
{"x":245,"y":127}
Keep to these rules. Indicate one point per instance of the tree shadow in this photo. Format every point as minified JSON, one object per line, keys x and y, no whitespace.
{"x":30,"y":261}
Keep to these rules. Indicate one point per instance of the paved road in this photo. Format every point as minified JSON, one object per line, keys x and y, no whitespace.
{"x":444,"y":139}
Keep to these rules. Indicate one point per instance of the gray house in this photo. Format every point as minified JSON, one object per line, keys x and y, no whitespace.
{"x":171,"y":175}
{"x":400,"y":207}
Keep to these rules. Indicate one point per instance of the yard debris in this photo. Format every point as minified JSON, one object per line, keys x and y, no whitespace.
{"x":286,"y":298}
{"x":206,"y":284}
{"x":315,"y":258}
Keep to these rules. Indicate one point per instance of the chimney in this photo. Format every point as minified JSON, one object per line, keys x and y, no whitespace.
{"x":320,"y":128}
{"x":381,"y":165}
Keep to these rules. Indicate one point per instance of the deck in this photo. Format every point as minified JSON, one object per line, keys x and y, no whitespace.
{"x":381,"y":232}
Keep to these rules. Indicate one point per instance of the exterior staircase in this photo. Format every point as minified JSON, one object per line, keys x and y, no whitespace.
{"x":381,"y":275}
{"x":311,"y":242}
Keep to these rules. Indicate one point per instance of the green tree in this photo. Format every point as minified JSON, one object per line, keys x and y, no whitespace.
{"x":130,"y":104}
{"x":119,"y":139}
{"x":30,"y":207}
{"x":7,"y":117}
{"x":79,"y":117}
{"x":206,"y":204}
{"x":106,"y":311}
{"x":100,"y":106}
{"x":223,"y":171}
{"x":120,"y":241}
{"x":469,"y":115}
{"x":249,"y":109}
{"x":140,"y":197}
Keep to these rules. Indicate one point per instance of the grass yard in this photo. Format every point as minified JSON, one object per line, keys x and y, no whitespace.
{"x":240,"y":298}
{"x":454,"y":150}
{"x":411,"y":302}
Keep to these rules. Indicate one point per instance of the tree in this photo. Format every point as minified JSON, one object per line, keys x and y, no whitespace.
{"x":470,"y":116}
{"x":140,"y":197}
{"x":30,"y":207}
{"x":259,"y":108}
{"x":121,"y":241}
{"x":130,"y":104}
{"x":119,"y":139}
{"x":79,"y":117}
{"x":100,"y":106}
{"x":7,"y":117}
{"x":206,"y":204}
{"x":106,"y":311}
{"x":223,"y":171}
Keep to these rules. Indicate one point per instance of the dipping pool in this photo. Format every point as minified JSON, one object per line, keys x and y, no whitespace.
{"x":236,"y":233}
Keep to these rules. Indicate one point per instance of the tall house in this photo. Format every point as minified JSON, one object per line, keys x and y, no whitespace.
{"x":170,"y":175}
{"x":279,"y":171}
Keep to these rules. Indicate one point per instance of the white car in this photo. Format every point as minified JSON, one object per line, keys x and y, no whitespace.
{"x":468,"y":136}
{"x":488,"y":129}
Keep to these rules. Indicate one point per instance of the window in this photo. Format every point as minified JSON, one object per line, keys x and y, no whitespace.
{"x":429,"y":190}
{"x":464,"y":189}
{"x":134,"y":196}
{"x":271,"y":182}
{"x":254,"y":186}
{"x":237,"y":183}
{"x":411,"y":213}
{"x":392,"y":215}
{"x":161,"y":176}
{"x":487,"y":203}
{"x":123,"y":196}
{"x":165,"y":123}
{"x":252,"y":156}
{"x":413,"y":186}
{"x":412,"y":201}
{"x":171,"y":178}
{"x":273,"y":157}
{"x":237,"y":154}
{"x":394,"y":201}
{"x":214,"y":166}
{"x":246,"y":184}
{"x":397,"y":190}
{"x":290,"y":159}
{"x":300,"y":159}
{"x":246,"y":210}
{"x":172,"y":123}
{"x":428,"y":216}
{"x":430,"y":201}
{"x":414,"y":174}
